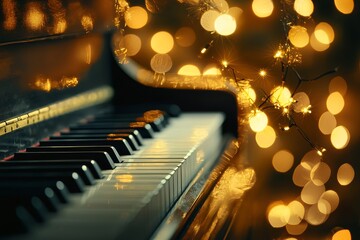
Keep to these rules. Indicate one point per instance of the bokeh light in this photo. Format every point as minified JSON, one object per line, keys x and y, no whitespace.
{"x":327,"y":123}
{"x":208,"y":18}
{"x":266,"y":137}
{"x":301,"y":175}
{"x":310,"y":159}
{"x":278,"y":215}
{"x":324,"y":33}
{"x":282,"y":161}
{"x":311,"y":193}
{"x":335,"y":103}
{"x":132,"y":43}
{"x":328,"y":202}
{"x":302,"y":101}
{"x":345,"y":174}
{"x":225,"y":25}
{"x":298,"y":36}
{"x":338,"y":84}
{"x":344,"y":6}
{"x":162,"y":42}
{"x":189,"y":70}
{"x":297,"y":212}
{"x":340,"y":137}
{"x":136,"y":17}
{"x":161,"y":63}
{"x":316,"y":45}
{"x":314,"y":217}
{"x":185,"y":37}
{"x":304,"y":7}
{"x":297,"y":229}
{"x":281,"y":96}
{"x":320,"y":173}
{"x":262,"y":8}
{"x":258,"y":120}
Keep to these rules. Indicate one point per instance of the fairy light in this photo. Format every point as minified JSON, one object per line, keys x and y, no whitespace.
{"x":262,"y":73}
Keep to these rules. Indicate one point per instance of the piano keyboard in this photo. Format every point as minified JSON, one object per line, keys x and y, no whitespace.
{"x":105,"y":179}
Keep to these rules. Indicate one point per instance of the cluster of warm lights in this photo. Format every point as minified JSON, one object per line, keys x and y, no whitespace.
{"x":315,"y":203}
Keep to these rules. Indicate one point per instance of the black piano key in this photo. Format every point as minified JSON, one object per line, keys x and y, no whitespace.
{"x":145,"y":129}
{"x":46,"y":194}
{"x":71,"y":180}
{"x":18,"y":220}
{"x":129,"y":138}
{"x":156,"y":124}
{"x":103,"y":159}
{"x":121,"y":145}
{"x":90,"y":164}
{"x":82,"y":170}
{"x":32,"y":204}
{"x":133,"y":132}
{"x":109,"y":149}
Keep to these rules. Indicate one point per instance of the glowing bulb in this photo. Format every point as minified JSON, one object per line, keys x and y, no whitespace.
{"x":340,"y":137}
{"x":279,"y":54}
{"x":258,"y":121}
{"x":298,"y":36}
{"x":262,"y":73}
{"x":281,"y":96}
{"x":262,"y":8}
{"x":136,"y":17}
{"x":344,"y":6}
{"x":304,"y":7}
{"x":225,"y":25}
{"x":162,"y":42}
{"x":225,"y":63}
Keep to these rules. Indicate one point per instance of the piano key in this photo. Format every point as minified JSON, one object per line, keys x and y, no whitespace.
{"x":21,"y":190}
{"x":121,"y":145}
{"x":135,"y":133}
{"x":155,"y":124}
{"x":128,"y":137}
{"x":82,"y":170}
{"x":103,"y":159}
{"x":18,"y":220}
{"x":144,"y":129}
{"x":71,"y":179}
{"x":90,"y":164}
{"x":109,"y":149}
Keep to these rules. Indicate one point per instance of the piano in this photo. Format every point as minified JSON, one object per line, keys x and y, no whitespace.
{"x":88,"y":152}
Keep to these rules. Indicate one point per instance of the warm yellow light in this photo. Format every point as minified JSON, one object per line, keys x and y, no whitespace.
{"x":344,"y":6}
{"x":298,"y":36}
{"x":320,"y":173}
{"x":335,"y":103}
{"x":310,"y":159}
{"x":327,"y":122}
{"x":262,"y":73}
{"x":162,"y":42}
{"x":220,"y":5}
{"x":189,"y":70}
{"x":225,"y":63}
{"x":282,"y":161}
{"x":207,"y":20}
{"x":185,"y":37}
{"x":340,"y":137}
{"x":343,"y":234}
{"x":161,"y":63}
{"x":314,"y":217}
{"x":338,"y":84}
{"x":235,"y":12}
{"x":316,"y":45}
{"x":211,"y":71}
{"x":124,"y":178}
{"x":35,"y":17}
{"x":304,"y":7}
{"x":345,"y":174}
{"x":87,"y":23}
{"x":297,"y":212}
{"x":278,"y":215}
{"x":258,"y":121}
{"x":266,"y":137}
{"x":247,"y":95}
{"x":324,"y":33}
{"x":301,"y":102}
{"x":262,"y":8}
{"x":279,"y":54}
{"x":297,"y":229}
{"x":60,"y":26}
{"x":9,"y":11}
{"x":132,"y":43}
{"x":225,"y":25}
{"x":136,"y":17}
{"x":301,"y":176}
{"x":311,"y":193}
{"x":281,"y":96}
{"x":328,"y":202}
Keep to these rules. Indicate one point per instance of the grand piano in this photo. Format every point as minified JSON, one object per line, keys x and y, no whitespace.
{"x":87,"y":152}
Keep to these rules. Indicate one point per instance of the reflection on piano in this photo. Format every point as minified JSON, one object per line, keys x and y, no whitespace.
{"x":85,"y":154}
